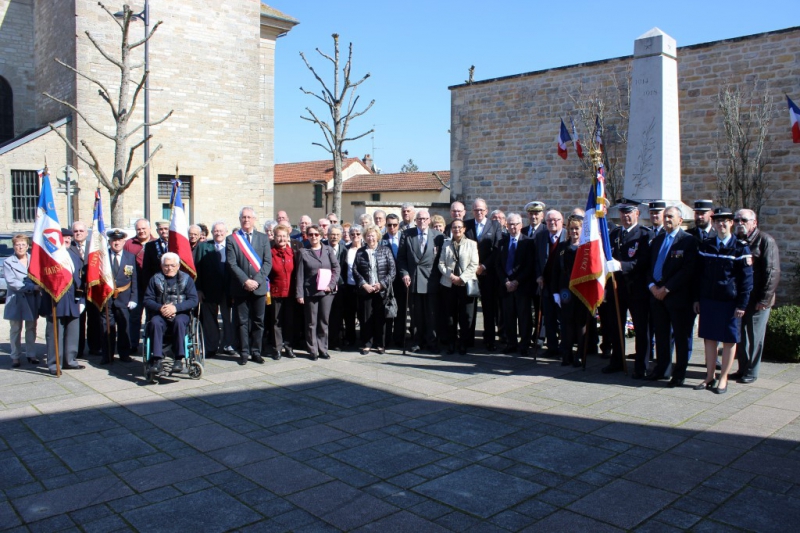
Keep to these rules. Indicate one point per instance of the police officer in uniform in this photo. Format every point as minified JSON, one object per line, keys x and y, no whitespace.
{"x":656,"y":209}
{"x":703,"y":228}
{"x":630,"y":247}
{"x":115,"y":321}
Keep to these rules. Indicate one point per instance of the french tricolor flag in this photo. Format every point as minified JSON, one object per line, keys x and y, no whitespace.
{"x":794,"y":117}
{"x":51,"y":266}
{"x":563,"y":139}
{"x":578,"y":147}
{"x":179,"y":232}
{"x":99,"y":277}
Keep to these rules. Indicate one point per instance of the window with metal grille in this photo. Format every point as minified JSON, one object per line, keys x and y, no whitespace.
{"x":24,"y":195}
{"x":376,"y":197}
{"x":317,"y":195}
{"x":165,"y":186}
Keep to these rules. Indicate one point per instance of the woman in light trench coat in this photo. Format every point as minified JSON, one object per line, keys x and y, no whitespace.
{"x":22,"y":302}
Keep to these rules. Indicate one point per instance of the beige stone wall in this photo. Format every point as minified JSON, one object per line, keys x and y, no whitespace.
{"x":503,"y":131}
{"x":16,"y":58}
{"x":29,"y":156}
{"x":398,"y":198}
{"x":297,"y":199}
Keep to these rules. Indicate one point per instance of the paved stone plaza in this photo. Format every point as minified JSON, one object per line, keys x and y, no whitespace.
{"x":394,"y":443}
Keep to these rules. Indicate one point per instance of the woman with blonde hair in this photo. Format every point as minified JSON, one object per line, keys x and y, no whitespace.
{"x":374,"y":272}
{"x":22,"y":302}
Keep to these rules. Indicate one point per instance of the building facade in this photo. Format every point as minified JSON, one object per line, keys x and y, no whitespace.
{"x":212,"y":67}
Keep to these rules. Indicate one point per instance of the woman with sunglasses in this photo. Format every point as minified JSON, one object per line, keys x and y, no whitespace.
{"x":317,"y":273}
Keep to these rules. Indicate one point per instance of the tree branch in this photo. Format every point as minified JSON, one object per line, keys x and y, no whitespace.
{"x":110,"y":14}
{"x":314,"y":72}
{"x":75,"y":109}
{"x":108,"y":58}
{"x":91,"y":79}
{"x":137,"y":90}
{"x":144,"y":40}
{"x":148,"y":124}
{"x":98,"y":171}
{"x":130,"y":178}
{"x":327,"y":149}
{"x":359,"y":136}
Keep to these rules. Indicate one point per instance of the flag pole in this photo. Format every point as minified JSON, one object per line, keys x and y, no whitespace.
{"x":55,"y":340}
{"x":597,"y":160}
{"x":108,"y":333}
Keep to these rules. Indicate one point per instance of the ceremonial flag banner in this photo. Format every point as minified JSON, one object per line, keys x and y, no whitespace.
{"x":578,"y":147}
{"x":99,"y":278}
{"x":794,"y":117}
{"x":563,"y":139}
{"x":590,"y":270}
{"x":51,"y":266}
{"x":598,"y":133}
{"x":179,"y":232}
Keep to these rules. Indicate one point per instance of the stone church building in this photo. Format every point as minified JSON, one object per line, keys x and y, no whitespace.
{"x":211,"y":63}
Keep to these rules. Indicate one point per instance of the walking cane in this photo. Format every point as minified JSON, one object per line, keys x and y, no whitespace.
{"x":538,"y":324}
{"x":408,"y":313}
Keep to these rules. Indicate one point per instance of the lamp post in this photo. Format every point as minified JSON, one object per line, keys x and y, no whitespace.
{"x":144,"y":16}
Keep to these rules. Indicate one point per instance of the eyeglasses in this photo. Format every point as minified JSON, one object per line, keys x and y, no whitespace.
{"x":168,"y":265}
{"x":313,"y":234}
{"x":741,"y":220}
{"x":423,"y":218}
{"x":392,"y":225}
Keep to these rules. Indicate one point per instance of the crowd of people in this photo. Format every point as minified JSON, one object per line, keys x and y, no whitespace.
{"x":414,"y":282}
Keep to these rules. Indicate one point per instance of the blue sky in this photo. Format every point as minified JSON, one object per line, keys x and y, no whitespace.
{"x":415,"y":49}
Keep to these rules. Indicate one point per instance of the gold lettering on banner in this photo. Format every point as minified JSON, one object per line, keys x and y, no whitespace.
{"x":52,"y":270}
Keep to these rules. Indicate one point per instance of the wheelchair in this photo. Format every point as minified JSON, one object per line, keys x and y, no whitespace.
{"x":194,"y":348}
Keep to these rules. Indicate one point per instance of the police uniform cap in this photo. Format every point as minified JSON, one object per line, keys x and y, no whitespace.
{"x":722,"y":212}
{"x":657,"y":205}
{"x":116,"y":234}
{"x":533,"y":207}
{"x":703,"y":205}
{"x":66,"y":232}
{"x":624,"y":205}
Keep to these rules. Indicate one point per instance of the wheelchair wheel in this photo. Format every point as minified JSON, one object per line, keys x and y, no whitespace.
{"x":149,"y":375}
{"x":198,"y":342}
{"x":195,"y":370}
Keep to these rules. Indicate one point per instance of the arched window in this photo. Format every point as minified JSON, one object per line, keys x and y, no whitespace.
{"x":6,"y":111}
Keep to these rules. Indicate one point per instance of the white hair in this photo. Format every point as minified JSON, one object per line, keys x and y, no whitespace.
{"x":170,"y":255}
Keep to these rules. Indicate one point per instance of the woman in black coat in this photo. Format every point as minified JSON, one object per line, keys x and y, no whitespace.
{"x":374,"y":272}
{"x":317,"y":271}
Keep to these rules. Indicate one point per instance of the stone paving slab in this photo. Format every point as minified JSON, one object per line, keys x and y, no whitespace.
{"x":422,"y":442}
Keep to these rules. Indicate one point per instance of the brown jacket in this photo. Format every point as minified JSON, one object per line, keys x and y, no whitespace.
{"x":766,"y":268}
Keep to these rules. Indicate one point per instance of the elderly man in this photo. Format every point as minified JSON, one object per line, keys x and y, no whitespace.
{"x":90,"y":328}
{"x":457,"y":212}
{"x":136,"y":246}
{"x":283,"y":218}
{"x":407,"y":213}
{"x":487,"y":233}
{"x":212,"y":292}
{"x":395,"y":327}
{"x":333,"y":218}
{"x":324,"y":224}
{"x":151,"y":263}
{"x":513,"y":270}
{"x":766,"y":276}
{"x":249,"y":263}
{"x":630,"y":247}
{"x":499,"y":217}
{"x":545,"y":243}
{"x":115,"y":323}
{"x":305,"y":223}
{"x":535,"y":212}
{"x":416,"y":260}
{"x":671,"y":270}
{"x":170,"y":297}
{"x":379,"y":218}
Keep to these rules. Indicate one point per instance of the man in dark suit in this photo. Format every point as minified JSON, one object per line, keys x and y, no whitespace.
{"x":90,"y":331}
{"x":673,"y":255}
{"x":535,"y":212}
{"x":656,"y":210}
{"x":630,"y":248}
{"x":513,"y":270}
{"x":487,"y":233}
{"x":544,"y":244}
{"x":336,"y":320}
{"x":416,"y":259}
{"x":213,"y":280}
{"x":395,"y":327}
{"x":116,"y":333}
{"x":248,"y":283}
{"x":135,"y":246}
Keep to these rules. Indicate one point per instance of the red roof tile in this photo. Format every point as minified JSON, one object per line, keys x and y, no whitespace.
{"x":312,"y":170}
{"x":401,"y":181}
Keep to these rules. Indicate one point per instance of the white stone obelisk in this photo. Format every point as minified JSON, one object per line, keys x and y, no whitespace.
{"x":653,"y":157}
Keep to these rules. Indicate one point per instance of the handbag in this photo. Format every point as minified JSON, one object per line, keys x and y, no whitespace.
{"x":389,"y":303}
{"x":473,"y":291}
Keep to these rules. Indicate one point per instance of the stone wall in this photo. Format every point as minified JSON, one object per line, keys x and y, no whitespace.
{"x":16,"y":60}
{"x":54,"y":38}
{"x":503,"y":131}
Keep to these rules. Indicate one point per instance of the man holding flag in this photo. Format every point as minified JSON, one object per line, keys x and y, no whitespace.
{"x":55,"y":271}
{"x":116,"y":316}
{"x":179,"y":232}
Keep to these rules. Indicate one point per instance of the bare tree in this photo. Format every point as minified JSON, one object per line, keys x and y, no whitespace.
{"x":121,"y":104}
{"x":741,"y":154}
{"x":341,"y":103}
{"x":611,"y":106}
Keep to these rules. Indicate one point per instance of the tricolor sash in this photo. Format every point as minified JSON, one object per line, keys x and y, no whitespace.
{"x":247,"y":250}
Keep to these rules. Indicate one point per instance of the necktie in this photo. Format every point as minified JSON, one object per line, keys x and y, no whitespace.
{"x":115,"y":264}
{"x":393,"y":243}
{"x":424,"y":241}
{"x":530,"y":231}
{"x":662,"y":256}
{"x":478,"y":230}
{"x":512,"y":250}
{"x":250,"y":237}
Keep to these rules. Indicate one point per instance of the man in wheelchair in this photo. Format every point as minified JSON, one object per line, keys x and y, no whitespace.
{"x":170,"y":297}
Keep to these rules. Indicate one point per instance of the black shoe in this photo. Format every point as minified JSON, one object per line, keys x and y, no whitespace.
{"x":257,"y":358}
{"x":324,"y":355}
{"x":177,"y":366}
{"x":675,"y":383}
{"x":564,"y":363}
{"x":491,"y":347}
{"x":379,"y":351}
{"x":510,"y":349}
{"x":462,"y":350}
{"x":610,"y":369}
{"x":655,"y":377}
{"x":720,"y":390}
{"x":576,"y":363}
{"x":747,"y":379}
{"x":288,"y":352}
{"x":605,"y":355}
{"x":451,"y":349}
{"x":32,"y":360}
{"x":106,"y":361}
{"x":314,"y":357}
{"x":15,"y":364}
{"x":364,"y":350}
{"x":211,"y":354}
{"x":243,"y":359}
{"x":523,"y":352}
{"x":735,"y":375}
{"x":414,"y":349}
{"x":637,"y":375}
{"x":277,"y":355}
{"x":53,"y":372}
{"x":157,"y":369}
{"x":125,"y":358}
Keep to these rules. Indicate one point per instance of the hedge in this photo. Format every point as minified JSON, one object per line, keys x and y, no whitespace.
{"x":782,"y":340}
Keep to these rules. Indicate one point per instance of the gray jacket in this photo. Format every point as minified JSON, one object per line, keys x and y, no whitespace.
{"x":23,"y":298}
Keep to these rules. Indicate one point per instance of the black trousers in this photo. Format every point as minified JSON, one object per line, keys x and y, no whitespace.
{"x":336,"y":320}
{"x":115,"y":330}
{"x":574,"y":318}
{"x":673,"y":320}
{"x":423,"y":319}
{"x":458,"y":311}
{"x":349,"y":312}
{"x":517,"y":313}
{"x":158,"y":326}
{"x":282,"y":318}
{"x":490,"y":308}
{"x":396,"y":327}
{"x":91,"y":330}
{"x":374,"y":320}
{"x":639,"y":307}
{"x":250,"y":309}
